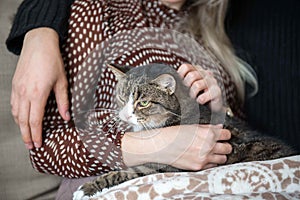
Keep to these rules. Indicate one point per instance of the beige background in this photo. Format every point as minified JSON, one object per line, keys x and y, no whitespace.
{"x":18,"y":180}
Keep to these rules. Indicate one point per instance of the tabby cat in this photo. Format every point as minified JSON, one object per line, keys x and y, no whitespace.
{"x":157,"y":97}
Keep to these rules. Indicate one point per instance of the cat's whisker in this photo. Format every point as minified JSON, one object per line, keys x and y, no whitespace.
{"x":106,"y":109}
{"x":118,"y":125}
{"x":112,"y":126}
{"x":122,"y":123}
{"x":146,"y":128}
{"x":107,"y":123}
{"x":96,"y":110}
{"x":93,"y":115}
{"x":175,"y":114}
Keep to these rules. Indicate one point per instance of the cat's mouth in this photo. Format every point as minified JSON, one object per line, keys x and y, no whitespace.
{"x":141,"y":124}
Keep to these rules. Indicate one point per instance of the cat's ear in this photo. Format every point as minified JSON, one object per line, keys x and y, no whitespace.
{"x":166,"y":82}
{"x":117,"y":70}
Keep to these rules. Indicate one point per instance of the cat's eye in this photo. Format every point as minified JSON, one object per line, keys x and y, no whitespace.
{"x":144,"y":103}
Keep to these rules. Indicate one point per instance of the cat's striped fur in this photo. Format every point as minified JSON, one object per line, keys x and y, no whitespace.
{"x":248,"y":145}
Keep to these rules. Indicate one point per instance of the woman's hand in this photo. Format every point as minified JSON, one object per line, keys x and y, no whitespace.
{"x":39,"y":70}
{"x":203,"y":86}
{"x":190,"y":147}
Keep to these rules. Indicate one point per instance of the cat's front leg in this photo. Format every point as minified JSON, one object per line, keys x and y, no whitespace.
{"x":105,"y":181}
{"x":85,"y":191}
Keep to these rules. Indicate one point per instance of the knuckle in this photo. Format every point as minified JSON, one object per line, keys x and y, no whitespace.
{"x":186,"y":70}
{"x":200,"y":84}
{"x":185,"y":66}
{"x":21,"y":90}
{"x":36,"y":91}
{"x":36,"y":139}
{"x":193,"y":74}
{"x":14,"y":112}
{"x":197,"y":166}
{"x":12,"y":104}
{"x":13,"y":109}
{"x":35,"y":122}
{"x":26,"y":140}
{"x":23,"y":123}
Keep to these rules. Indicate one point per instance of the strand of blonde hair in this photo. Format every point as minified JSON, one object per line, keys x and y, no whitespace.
{"x":206,"y":19}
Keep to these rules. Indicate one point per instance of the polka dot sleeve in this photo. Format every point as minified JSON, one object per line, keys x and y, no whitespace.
{"x":124,"y":32}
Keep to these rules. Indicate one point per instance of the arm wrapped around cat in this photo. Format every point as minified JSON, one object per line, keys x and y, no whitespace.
{"x":185,"y":145}
{"x":154,"y":100}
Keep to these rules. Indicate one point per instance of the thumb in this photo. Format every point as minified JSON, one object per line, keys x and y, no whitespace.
{"x":61,"y":95}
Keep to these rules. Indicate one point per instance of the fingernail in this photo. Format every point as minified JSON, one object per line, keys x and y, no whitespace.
{"x":37,"y":145}
{"x":68,"y":115}
{"x":28,"y":146}
{"x":201,"y":99}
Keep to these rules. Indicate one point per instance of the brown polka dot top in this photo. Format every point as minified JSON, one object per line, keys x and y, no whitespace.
{"x":125,"y":32}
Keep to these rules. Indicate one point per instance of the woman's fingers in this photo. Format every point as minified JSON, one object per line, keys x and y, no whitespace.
{"x":23,"y":121}
{"x":35,"y":120}
{"x":203,"y":86}
{"x":61,"y":95}
{"x":197,"y":87}
{"x":14,"y":106}
{"x":32,"y":83}
{"x":209,"y":165}
{"x":214,"y":96}
{"x":222,"y":148}
{"x":219,"y":133}
{"x":184,"y":69}
{"x":217,"y":159}
{"x":192,"y":77}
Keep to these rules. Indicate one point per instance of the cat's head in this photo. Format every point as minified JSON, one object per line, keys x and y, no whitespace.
{"x":146,"y":96}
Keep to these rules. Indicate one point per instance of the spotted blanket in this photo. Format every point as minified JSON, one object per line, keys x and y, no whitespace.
{"x":273,"y":179}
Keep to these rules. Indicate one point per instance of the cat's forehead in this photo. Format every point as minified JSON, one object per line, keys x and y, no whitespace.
{"x":132,"y":81}
{"x":141,"y":88}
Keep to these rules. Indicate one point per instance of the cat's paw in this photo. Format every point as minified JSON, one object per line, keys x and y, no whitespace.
{"x":79,"y":195}
{"x":84,"y":192}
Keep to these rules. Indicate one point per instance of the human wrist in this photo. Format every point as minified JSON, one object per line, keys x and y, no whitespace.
{"x":44,"y":43}
{"x":43,"y":34}
{"x":144,"y":147}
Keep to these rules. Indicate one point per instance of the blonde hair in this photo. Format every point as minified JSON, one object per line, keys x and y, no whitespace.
{"x":206,"y":19}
